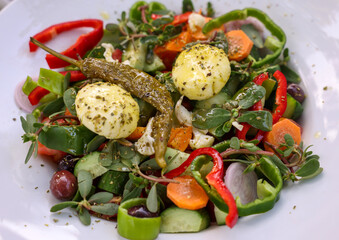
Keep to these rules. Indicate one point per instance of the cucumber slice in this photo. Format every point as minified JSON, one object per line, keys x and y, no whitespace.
{"x":220,"y":216}
{"x":178,"y":220}
{"x":135,"y":54}
{"x":90,"y":163}
{"x":156,"y":65}
{"x":216,"y":100}
{"x":113,"y":181}
{"x":269,"y":85}
{"x":293,"y":109}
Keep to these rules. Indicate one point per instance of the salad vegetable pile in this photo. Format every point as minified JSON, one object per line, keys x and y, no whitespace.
{"x":169,"y":122}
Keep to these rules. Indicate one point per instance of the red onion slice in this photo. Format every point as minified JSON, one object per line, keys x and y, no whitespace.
{"x":240,"y":184}
{"x":21,"y":99}
{"x":236,"y":24}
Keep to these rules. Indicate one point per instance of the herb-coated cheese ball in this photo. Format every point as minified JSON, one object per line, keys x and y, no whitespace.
{"x":107,"y":110}
{"x":201,"y":71}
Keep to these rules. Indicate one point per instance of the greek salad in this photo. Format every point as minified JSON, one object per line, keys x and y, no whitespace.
{"x":168,"y":122}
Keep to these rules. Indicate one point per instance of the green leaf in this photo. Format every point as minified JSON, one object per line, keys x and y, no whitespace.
{"x":235,"y":143}
{"x":138,"y":181}
{"x":69,"y":100}
{"x":227,"y":126}
{"x":288,"y":151}
{"x":210,"y":118}
{"x":85,"y":217}
{"x":85,"y":182}
{"x":289,"y":140}
{"x":28,"y":123}
{"x":253,"y":34}
{"x":67,"y":80}
{"x":55,"y":106}
{"x":150,"y":39}
{"x":106,"y":208}
{"x":30,"y":152}
{"x":52,"y":81}
{"x":132,"y":194}
{"x":316,"y":157}
{"x":308,"y":168}
{"x":210,"y":10}
{"x":316,"y":173}
{"x":101,"y":197}
{"x":187,"y":6}
{"x":152,"y":199}
{"x":71,"y":139}
{"x":63,"y":205}
{"x":282,"y":167}
{"x":248,"y":95}
{"x":95,"y":143}
{"x":258,"y":119}
{"x":249,"y":146}
{"x":291,"y":76}
{"x":162,"y":21}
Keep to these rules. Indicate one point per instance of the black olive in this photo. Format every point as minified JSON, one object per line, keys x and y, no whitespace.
{"x":67,"y":163}
{"x":141,"y":211}
{"x":296,"y":92}
{"x":63,"y":185}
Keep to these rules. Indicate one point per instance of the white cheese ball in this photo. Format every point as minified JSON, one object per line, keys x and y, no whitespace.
{"x":201,"y":71}
{"x":107,"y":110}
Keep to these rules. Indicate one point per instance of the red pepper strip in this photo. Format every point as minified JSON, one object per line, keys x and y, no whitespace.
{"x":182,"y":168}
{"x":84,"y":43}
{"x":178,"y":19}
{"x":75,"y":75}
{"x":256,"y":107}
{"x":214,"y":178}
{"x":35,"y":96}
{"x":280,"y":96}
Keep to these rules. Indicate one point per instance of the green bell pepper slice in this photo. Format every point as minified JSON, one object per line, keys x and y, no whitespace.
{"x":275,"y":30}
{"x":136,"y":228}
{"x":268,"y":194}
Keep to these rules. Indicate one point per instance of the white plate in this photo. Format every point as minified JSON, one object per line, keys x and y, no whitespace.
{"x":306,"y":210}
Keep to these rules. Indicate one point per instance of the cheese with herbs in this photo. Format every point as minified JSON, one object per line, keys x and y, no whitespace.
{"x":201,"y":71}
{"x":107,"y":110}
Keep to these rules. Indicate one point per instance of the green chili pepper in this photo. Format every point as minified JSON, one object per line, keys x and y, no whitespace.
{"x":268,"y":194}
{"x":136,"y":228}
{"x":275,"y":30}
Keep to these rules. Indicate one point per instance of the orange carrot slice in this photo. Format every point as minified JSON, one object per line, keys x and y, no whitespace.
{"x":239,"y":45}
{"x":279,"y":129}
{"x":180,"y":138}
{"x":136,"y":134}
{"x":187,"y":194}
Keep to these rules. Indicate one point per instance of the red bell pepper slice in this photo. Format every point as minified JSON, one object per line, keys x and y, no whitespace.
{"x":75,"y":75}
{"x":280,"y":96}
{"x":84,"y":43}
{"x":35,"y":96}
{"x":214,"y":178}
{"x":178,"y":19}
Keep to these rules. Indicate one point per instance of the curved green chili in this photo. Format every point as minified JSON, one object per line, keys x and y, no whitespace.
{"x":275,"y":30}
